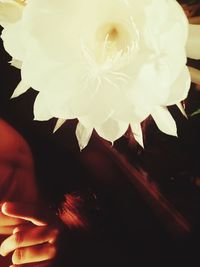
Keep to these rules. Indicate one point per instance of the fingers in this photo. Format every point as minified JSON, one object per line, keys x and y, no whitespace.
{"x":8,"y":221}
{"x":7,"y":224}
{"x":34,"y":254}
{"x":26,"y":236}
{"x":24,"y":212}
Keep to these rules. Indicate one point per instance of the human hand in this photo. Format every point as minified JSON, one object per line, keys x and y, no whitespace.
{"x":7,"y":223}
{"x":34,"y":241}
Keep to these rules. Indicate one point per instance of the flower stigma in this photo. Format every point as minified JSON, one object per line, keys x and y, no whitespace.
{"x":112,"y":38}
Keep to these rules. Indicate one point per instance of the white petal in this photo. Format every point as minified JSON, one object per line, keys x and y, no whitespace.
{"x":59,"y":123}
{"x":182,"y":110}
{"x":12,"y":40}
{"x":10,"y":12}
{"x":112,"y":130}
{"x":40,"y":110}
{"x":164,"y":120}
{"x":193,"y":43}
{"x":20,"y":89}
{"x":180,"y":88}
{"x":137,"y":132}
{"x":83,"y":135}
{"x":16,"y":63}
{"x":153,"y":81}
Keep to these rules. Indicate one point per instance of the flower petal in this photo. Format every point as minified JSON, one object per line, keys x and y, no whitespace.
{"x":59,"y":124}
{"x":182,"y":110}
{"x":137,"y":132}
{"x":40,"y":109}
{"x":164,"y":120}
{"x":12,"y":40}
{"x":16,"y":63}
{"x":180,"y":88}
{"x":112,"y":130}
{"x":20,"y":89}
{"x":10,"y":12}
{"x":83,"y":135}
{"x":193,"y":43}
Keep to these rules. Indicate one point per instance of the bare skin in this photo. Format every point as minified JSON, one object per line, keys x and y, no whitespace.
{"x":28,"y":237}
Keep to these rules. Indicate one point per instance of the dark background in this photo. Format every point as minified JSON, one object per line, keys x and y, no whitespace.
{"x":126,"y":229}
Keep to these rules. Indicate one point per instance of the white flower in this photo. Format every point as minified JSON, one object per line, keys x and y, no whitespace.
{"x":110,"y":64}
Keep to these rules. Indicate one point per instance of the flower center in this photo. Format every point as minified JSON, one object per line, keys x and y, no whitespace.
{"x":21,"y":2}
{"x":111,"y":39}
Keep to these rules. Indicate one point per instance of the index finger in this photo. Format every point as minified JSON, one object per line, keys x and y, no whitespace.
{"x":6,"y":220}
{"x":24,"y":212}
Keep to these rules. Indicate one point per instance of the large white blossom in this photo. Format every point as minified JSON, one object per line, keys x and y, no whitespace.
{"x":108,"y":63}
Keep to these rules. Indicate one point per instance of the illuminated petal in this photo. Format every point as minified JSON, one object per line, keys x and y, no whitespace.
{"x":112,"y":130}
{"x":83,"y":135}
{"x":16,"y":63}
{"x":164,"y":120}
{"x":10,"y":12}
{"x":12,"y":41}
{"x":59,"y":124}
{"x":20,"y":89}
{"x":137,"y":132}
{"x":182,"y":110}
{"x":193,"y":43}
{"x":179,"y":89}
{"x":40,"y":110}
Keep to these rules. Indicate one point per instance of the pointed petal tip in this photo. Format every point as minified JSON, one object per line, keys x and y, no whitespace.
{"x":59,"y":124}
{"x":20,"y":89}
{"x":139,"y":140}
{"x":82,"y":147}
{"x":182,"y":110}
{"x":16,"y":63}
{"x":83,"y":135}
{"x":137,"y":133}
{"x":164,"y":121}
{"x":13,"y":96}
{"x":176,"y":134}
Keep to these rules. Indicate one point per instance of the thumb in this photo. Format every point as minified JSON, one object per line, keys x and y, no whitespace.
{"x":23,"y":211}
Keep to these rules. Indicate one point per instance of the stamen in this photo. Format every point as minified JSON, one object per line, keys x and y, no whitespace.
{"x":21,"y":2}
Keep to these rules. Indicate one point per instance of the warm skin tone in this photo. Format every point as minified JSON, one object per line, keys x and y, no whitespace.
{"x":28,"y":235}
{"x":32,"y":240}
